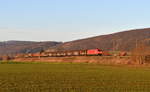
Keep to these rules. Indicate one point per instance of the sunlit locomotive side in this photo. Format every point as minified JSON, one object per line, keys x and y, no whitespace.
{"x":94,"y":52}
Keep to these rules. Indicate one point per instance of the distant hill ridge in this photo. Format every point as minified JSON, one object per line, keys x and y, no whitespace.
{"x":123,"y":41}
{"x":14,"y":47}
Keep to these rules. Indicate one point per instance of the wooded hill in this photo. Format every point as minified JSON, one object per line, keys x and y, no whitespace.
{"x":121,"y":41}
{"x":15,"y":47}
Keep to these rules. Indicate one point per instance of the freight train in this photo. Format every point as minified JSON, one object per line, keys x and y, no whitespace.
{"x":90,"y":52}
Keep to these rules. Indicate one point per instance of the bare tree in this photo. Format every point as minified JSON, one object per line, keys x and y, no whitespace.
{"x":141,"y":52}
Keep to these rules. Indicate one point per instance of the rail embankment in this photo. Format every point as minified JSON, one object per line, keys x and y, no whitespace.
{"x":82,"y":59}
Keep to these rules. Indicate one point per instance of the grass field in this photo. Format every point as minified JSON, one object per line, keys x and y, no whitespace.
{"x":67,"y":77}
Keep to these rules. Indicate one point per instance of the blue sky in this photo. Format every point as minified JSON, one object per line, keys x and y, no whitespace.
{"x":66,"y":20}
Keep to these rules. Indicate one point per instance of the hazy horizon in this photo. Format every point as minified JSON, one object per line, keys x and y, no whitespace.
{"x":67,"y":20}
{"x":68,"y":40}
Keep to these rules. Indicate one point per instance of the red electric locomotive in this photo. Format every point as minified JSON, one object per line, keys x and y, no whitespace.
{"x":94,"y":52}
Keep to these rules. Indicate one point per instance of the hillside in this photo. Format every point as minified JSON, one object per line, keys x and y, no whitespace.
{"x":14,"y":47}
{"x":118,"y":41}
{"x":124,"y":41}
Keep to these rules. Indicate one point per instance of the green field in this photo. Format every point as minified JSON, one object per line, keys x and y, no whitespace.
{"x":71,"y":77}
